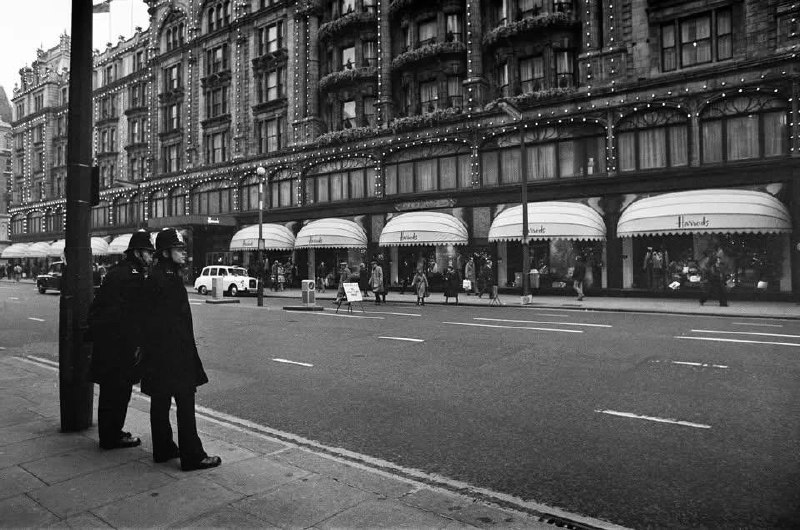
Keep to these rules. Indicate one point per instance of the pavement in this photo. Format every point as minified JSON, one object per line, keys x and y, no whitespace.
{"x":266,"y":480}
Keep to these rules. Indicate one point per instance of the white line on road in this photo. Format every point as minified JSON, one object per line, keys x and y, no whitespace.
{"x":287,"y":361}
{"x":544,"y":322}
{"x":388,"y":313}
{"x":687,"y":363}
{"x":36,"y":319}
{"x":13,"y":298}
{"x":403,"y":338}
{"x":756,"y":333}
{"x":2,"y":348}
{"x":653,"y":418}
{"x":514,"y":327}
{"x":716,"y":339}
{"x":343,"y":315}
{"x":550,"y":315}
{"x":754,"y":324}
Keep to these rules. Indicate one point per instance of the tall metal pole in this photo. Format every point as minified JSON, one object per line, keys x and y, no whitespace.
{"x":260,"y":171}
{"x":76,"y":391}
{"x":526,"y":247}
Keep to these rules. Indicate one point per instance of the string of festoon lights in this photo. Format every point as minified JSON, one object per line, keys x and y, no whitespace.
{"x":381,"y":107}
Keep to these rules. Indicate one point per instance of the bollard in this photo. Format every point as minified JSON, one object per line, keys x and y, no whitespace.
{"x":217,"y":289}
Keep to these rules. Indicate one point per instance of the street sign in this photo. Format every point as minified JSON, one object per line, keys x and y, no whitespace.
{"x":352,"y":292}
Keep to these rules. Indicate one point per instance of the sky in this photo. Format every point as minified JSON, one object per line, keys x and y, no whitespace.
{"x":32,"y":24}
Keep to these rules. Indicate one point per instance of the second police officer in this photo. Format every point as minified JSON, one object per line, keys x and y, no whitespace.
{"x":173,"y":369}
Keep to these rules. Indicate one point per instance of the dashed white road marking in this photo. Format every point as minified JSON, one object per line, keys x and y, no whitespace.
{"x":755,"y":324}
{"x":287,"y":361}
{"x":514,"y":327}
{"x":756,"y":333}
{"x":403,"y":338}
{"x":719,"y":339}
{"x":2,"y":348}
{"x":36,"y":319}
{"x":13,"y":298}
{"x":326,"y":313}
{"x":388,"y":313}
{"x":545,"y":322}
{"x":653,"y":418}
{"x":687,"y":363}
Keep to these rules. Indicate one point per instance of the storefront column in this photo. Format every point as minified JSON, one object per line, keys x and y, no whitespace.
{"x":312,"y":266}
{"x":785,"y":284}
{"x":794,"y":239}
{"x":502,"y":263}
{"x":394,"y":267}
{"x":627,"y":263}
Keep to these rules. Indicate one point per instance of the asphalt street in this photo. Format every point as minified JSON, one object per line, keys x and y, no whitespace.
{"x":643,"y":420}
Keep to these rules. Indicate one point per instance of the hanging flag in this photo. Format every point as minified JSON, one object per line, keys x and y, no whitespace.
{"x":102,"y":7}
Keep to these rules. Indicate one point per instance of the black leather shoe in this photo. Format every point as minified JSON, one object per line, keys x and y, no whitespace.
{"x":124,"y":442}
{"x":207,"y":462}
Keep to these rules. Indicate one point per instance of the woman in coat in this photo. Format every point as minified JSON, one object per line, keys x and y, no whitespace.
{"x":420,"y":286}
{"x":452,"y":284}
{"x":376,"y":282}
{"x":172,"y":365}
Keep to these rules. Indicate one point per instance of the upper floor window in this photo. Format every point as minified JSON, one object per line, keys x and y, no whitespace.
{"x":455,"y":91}
{"x":427,"y":32}
{"x":172,"y":117}
{"x":370,"y":119}
{"x":697,"y":40}
{"x":64,"y":95}
{"x":529,"y":8}
{"x":138,"y":60}
{"x":271,"y":38}
{"x":159,"y":203}
{"x":271,"y":85}
{"x":743,"y":128}
{"x":454,"y":32}
{"x":109,"y":74}
{"x":531,"y":74}
{"x":429,"y":96}
{"x":217,"y":147}
{"x":38,"y":134}
{"x":562,"y":6}
{"x":502,"y":79}
{"x":211,"y":198}
{"x":38,"y":101}
{"x":216,"y":102}
{"x":174,"y":36}
{"x":370,"y":6}
{"x":653,"y":140}
{"x":171,"y":158}
{"x":269,"y":135}
{"x":20,"y":110}
{"x":564,"y":69}
{"x":348,"y":57}
{"x":108,"y":107}
{"x":369,"y":52}
{"x":349,"y":114}
{"x":217,"y":59}
{"x":347,"y":6}
{"x":172,"y":77}
{"x":137,"y":92}
{"x":218,"y":15}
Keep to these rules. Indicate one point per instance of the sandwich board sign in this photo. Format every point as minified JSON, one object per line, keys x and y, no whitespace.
{"x":352,"y":292}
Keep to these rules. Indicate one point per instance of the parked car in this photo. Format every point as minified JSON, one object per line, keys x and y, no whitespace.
{"x":51,"y":279}
{"x":234,"y":280}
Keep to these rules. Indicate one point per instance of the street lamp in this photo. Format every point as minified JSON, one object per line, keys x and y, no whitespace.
{"x":260,"y":171}
{"x":515,"y":114}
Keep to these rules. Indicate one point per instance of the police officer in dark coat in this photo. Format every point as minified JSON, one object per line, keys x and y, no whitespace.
{"x":116,"y":324}
{"x":172,"y":365}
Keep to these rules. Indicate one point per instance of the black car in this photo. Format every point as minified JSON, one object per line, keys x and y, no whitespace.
{"x":51,"y":279}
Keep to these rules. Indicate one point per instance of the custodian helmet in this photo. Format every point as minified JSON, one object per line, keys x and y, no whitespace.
{"x":140,"y":241}
{"x":169,"y":238}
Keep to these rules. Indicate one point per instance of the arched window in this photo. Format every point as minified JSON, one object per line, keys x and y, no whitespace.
{"x":177,"y":202}
{"x":282,"y":190}
{"x":136,"y":209}
{"x":17,"y":224}
{"x":58,"y":220}
{"x":743,"y":128}
{"x":100,"y":214}
{"x":174,"y":31}
{"x":210,"y":19}
{"x":650,"y":140}
{"x":159,"y":202}
{"x":248,"y":194}
{"x":121,"y":211}
{"x":342,"y":180}
{"x":212,"y":198}
{"x":35,"y":224}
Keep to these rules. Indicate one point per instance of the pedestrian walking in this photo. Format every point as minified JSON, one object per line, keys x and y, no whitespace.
{"x":452,"y":284}
{"x":363,"y":280}
{"x":420,"y":286}
{"x":578,"y":276}
{"x":117,"y":330}
{"x":17,"y":272}
{"x":321,"y":275}
{"x":715,"y":282}
{"x":471,"y":274}
{"x":486,"y":279}
{"x":376,"y":282}
{"x":344,"y":277}
{"x":173,"y":369}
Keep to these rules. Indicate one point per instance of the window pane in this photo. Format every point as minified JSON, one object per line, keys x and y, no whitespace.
{"x":566,"y":158}
{"x":510,"y":166}
{"x":545,"y":161}
{"x":774,"y":133}
{"x":448,"y":172}
{"x":652,"y":148}
{"x":310,"y":198}
{"x":489,"y":167}
{"x":426,"y":175}
{"x":336,"y":187}
{"x":371,"y":178}
{"x":678,"y":145}
{"x":286,"y":193}
{"x":274,"y":193}
{"x":322,"y":189}
{"x":464,"y":171}
{"x":742,"y":137}
{"x":405,"y":177}
{"x":390,"y":177}
{"x":712,"y":141}
{"x":357,"y":184}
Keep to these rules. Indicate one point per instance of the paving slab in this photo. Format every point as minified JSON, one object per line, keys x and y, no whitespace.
{"x":25,"y":513}
{"x":254,"y":442}
{"x":228,"y":517}
{"x":26,"y":430}
{"x":80,"y":461}
{"x":102,"y":487}
{"x":385,"y":514}
{"x":82,"y":520}
{"x":255,"y":475}
{"x":367,"y":480}
{"x":168,"y":505}
{"x":38,"y":448}
{"x":304,"y":503}
{"x":15,"y":480}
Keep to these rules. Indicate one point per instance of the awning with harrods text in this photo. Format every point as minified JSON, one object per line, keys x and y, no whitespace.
{"x":17,"y":250}
{"x":423,"y":228}
{"x":549,"y":220}
{"x":331,"y":233}
{"x":276,"y":237}
{"x":720,"y":211}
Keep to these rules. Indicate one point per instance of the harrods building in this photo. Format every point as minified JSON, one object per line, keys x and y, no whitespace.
{"x":650,"y":134}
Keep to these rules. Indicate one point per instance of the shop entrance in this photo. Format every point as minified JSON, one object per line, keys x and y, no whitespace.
{"x":657,"y":260}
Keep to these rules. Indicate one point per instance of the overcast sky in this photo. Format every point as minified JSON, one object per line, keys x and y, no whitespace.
{"x":31,"y":24}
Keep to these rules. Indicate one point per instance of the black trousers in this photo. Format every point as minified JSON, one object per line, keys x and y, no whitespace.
{"x":189,"y":444}
{"x":715,"y":289}
{"x":112,"y":407}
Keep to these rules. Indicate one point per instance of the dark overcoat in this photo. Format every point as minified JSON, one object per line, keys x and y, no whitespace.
{"x":452,"y":284}
{"x":116,"y":324}
{"x":171,"y":362}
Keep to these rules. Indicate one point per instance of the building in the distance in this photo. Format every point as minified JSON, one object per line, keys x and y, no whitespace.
{"x":652,"y":136}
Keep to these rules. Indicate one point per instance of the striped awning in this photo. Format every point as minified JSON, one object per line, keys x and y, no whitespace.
{"x":39,"y":249}
{"x":424,"y":228}
{"x":549,"y":220}
{"x":276,"y":237}
{"x":720,"y":211}
{"x":331,"y":233}
{"x":17,"y":250}
{"x":99,"y":247}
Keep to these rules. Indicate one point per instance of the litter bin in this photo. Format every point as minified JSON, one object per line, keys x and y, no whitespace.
{"x":534,"y":278}
{"x":308,"y":289}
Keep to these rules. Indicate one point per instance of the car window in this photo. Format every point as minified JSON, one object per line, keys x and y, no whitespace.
{"x":214,"y":271}
{"x":239,"y":272}
{"x":206,"y":271}
{"x":223,"y":271}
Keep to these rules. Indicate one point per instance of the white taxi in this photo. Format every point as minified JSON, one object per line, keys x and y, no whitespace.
{"x":234,"y":280}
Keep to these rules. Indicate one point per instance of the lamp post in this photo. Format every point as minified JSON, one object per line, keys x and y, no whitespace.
{"x":260,"y":171}
{"x":516,"y":115}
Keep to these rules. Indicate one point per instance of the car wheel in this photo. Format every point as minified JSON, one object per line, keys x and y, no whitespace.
{"x":233,"y":290}
{"x":42,"y":289}
{"x":202,"y":290}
